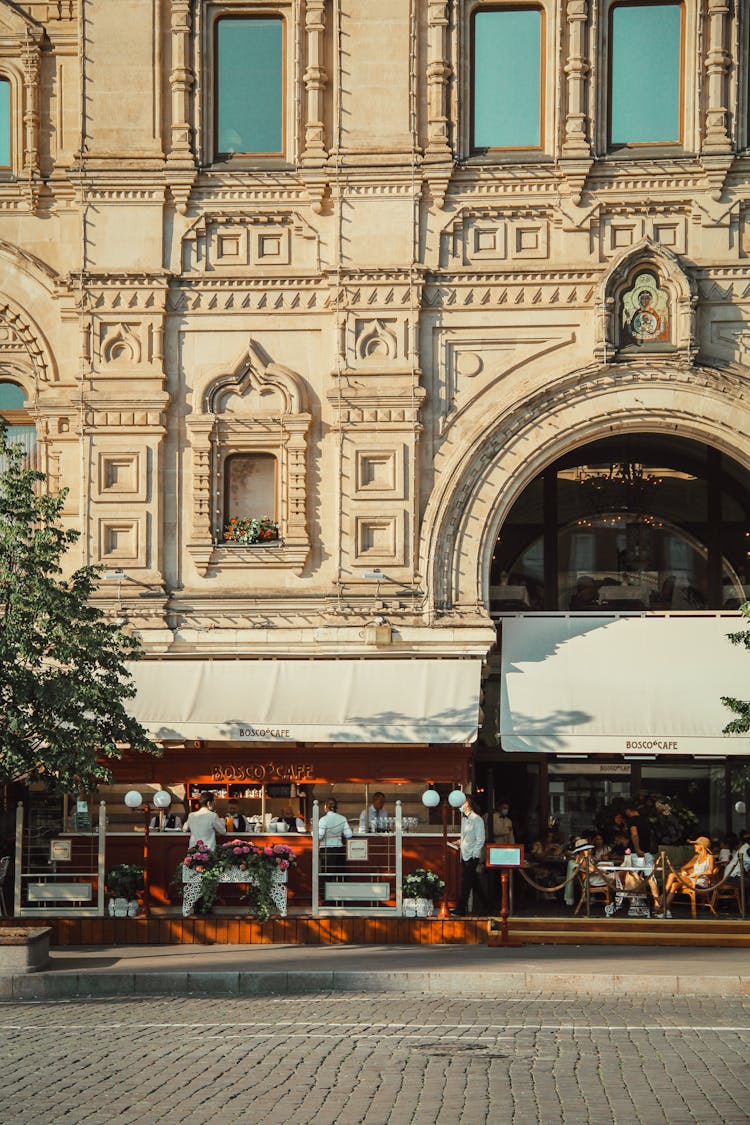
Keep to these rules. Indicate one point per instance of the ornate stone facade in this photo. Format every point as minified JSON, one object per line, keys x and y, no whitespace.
{"x":413,"y":330}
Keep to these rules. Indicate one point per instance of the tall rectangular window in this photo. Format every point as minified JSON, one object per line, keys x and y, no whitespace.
{"x":507,"y":78}
{"x":249,"y":86}
{"x":4,"y":123}
{"x":645,"y":74}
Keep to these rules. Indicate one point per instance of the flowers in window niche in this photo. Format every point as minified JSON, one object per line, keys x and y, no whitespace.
{"x":248,"y":530}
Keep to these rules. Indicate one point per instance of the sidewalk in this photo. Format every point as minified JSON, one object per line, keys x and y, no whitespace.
{"x":471,"y":970}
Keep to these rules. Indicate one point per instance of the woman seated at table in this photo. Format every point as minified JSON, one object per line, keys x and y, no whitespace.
{"x":694,"y":874}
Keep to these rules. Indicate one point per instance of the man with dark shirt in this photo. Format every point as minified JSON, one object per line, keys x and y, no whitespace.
{"x":639,"y":829}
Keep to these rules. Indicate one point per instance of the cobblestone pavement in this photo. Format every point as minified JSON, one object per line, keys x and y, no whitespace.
{"x":390,"y":1059}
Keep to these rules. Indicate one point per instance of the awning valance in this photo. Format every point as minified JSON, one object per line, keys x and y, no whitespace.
{"x":287,"y":701}
{"x":602,"y":684}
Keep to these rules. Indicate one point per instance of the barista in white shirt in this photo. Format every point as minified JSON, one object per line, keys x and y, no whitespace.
{"x":204,"y":824}
{"x":374,"y":819}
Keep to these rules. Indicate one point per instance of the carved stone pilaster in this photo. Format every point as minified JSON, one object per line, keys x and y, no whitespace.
{"x":31,"y":65}
{"x":718,"y":60}
{"x":181,"y":80}
{"x":315,"y":79}
{"x":438,"y":74}
{"x":576,"y":149}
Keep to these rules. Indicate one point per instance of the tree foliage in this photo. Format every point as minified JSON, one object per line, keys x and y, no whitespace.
{"x":64,"y":685}
{"x":741,"y":724}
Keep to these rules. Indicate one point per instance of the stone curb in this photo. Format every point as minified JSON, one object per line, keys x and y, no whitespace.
{"x":71,"y":986}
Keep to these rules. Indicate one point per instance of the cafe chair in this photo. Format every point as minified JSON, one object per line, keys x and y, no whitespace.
{"x":725,"y":893}
{"x":603,"y":894}
{"x":693,"y":894}
{"x":4,"y":865}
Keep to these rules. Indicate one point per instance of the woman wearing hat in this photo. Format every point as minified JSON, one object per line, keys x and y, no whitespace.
{"x":696,"y":872}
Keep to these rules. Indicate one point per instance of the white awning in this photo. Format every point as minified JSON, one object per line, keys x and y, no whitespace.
{"x":602,"y":684}
{"x":357,"y":700}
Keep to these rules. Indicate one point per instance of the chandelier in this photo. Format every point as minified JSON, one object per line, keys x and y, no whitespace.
{"x":623,"y":486}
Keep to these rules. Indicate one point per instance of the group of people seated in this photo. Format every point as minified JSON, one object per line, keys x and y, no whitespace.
{"x":628,"y":868}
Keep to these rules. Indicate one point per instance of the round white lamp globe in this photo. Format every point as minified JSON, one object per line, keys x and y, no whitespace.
{"x":456,"y":798}
{"x":430,"y":798}
{"x":162,"y":799}
{"x":740,"y":808}
{"x":133,"y":799}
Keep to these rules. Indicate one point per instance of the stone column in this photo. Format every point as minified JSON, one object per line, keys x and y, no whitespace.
{"x":438,"y":75}
{"x":315,"y":79}
{"x":575,"y":141}
{"x":718,"y":60}
{"x":181,"y":80}
{"x":31,"y":106}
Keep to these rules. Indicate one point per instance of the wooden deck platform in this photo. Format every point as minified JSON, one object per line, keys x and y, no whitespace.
{"x":306,"y":930}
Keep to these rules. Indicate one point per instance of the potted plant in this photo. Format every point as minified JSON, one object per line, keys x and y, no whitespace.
{"x":250,"y":530}
{"x":419,"y":889}
{"x":123,"y":882}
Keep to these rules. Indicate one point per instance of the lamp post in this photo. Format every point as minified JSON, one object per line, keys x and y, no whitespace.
{"x":134,"y":800}
{"x":431,"y":799}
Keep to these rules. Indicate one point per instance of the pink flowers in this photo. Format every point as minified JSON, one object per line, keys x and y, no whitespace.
{"x":283,"y":864}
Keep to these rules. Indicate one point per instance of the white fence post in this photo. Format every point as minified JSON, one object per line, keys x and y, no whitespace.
{"x":315,"y":860}
{"x":399,"y":860}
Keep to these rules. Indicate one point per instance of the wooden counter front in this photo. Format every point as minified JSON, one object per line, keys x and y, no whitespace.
{"x":167,"y":851}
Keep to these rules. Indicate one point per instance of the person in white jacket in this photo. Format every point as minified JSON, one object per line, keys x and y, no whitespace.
{"x":472,"y":859}
{"x":333,"y":829}
{"x":204,"y":824}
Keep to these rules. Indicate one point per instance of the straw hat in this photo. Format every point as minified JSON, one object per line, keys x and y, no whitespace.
{"x":702,"y":840}
{"x":581,"y":844}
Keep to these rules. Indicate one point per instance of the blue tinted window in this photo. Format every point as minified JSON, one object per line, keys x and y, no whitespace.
{"x":4,"y":123}
{"x":645,"y":80}
{"x":249,"y":90}
{"x":507,"y":78}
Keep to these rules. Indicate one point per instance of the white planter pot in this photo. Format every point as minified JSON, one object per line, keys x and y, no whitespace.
{"x":410,"y":908}
{"x":118,"y":907}
{"x":133,"y":908}
{"x":418,"y":908}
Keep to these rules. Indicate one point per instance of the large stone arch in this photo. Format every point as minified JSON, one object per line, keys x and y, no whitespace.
{"x":478,"y":479}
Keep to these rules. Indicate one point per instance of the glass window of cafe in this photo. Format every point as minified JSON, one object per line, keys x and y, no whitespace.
{"x":633,"y":522}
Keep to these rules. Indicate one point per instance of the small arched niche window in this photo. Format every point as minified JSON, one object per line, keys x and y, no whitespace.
{"x":250,"y":487}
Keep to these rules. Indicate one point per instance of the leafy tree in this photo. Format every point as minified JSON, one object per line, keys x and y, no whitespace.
{"x":741,"y":724}
{"x":63,"y":685}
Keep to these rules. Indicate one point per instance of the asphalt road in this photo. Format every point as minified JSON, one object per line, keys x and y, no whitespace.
{"x":375,"y":1059}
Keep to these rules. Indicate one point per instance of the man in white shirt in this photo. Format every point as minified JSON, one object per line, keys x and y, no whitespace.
{"x":374,"y":819}
{"x":472,"y":849}
{"x":204,"y":824}
{"x":740,"y":857}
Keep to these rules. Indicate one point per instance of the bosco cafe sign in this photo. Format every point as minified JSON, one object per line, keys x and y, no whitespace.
{"x":264,"y":771}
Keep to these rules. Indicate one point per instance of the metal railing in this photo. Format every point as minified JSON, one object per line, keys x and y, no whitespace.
{"x":362,"y":876}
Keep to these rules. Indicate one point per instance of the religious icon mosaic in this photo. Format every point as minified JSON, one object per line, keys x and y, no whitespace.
{"x":645,"y":314}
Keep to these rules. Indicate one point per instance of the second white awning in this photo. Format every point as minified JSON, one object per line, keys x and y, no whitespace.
{"x":603,"y":684}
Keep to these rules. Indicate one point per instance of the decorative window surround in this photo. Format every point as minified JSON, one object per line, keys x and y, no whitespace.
{"x":218,"y":434}
{"x":20,"y":62}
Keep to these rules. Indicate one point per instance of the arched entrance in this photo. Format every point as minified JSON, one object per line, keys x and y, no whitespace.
{"x":629,"y":522}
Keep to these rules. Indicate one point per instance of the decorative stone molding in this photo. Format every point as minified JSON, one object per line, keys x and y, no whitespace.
{"x":234,"y":421}
{"x":234,"y":242}
{"x":21,"y":40}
